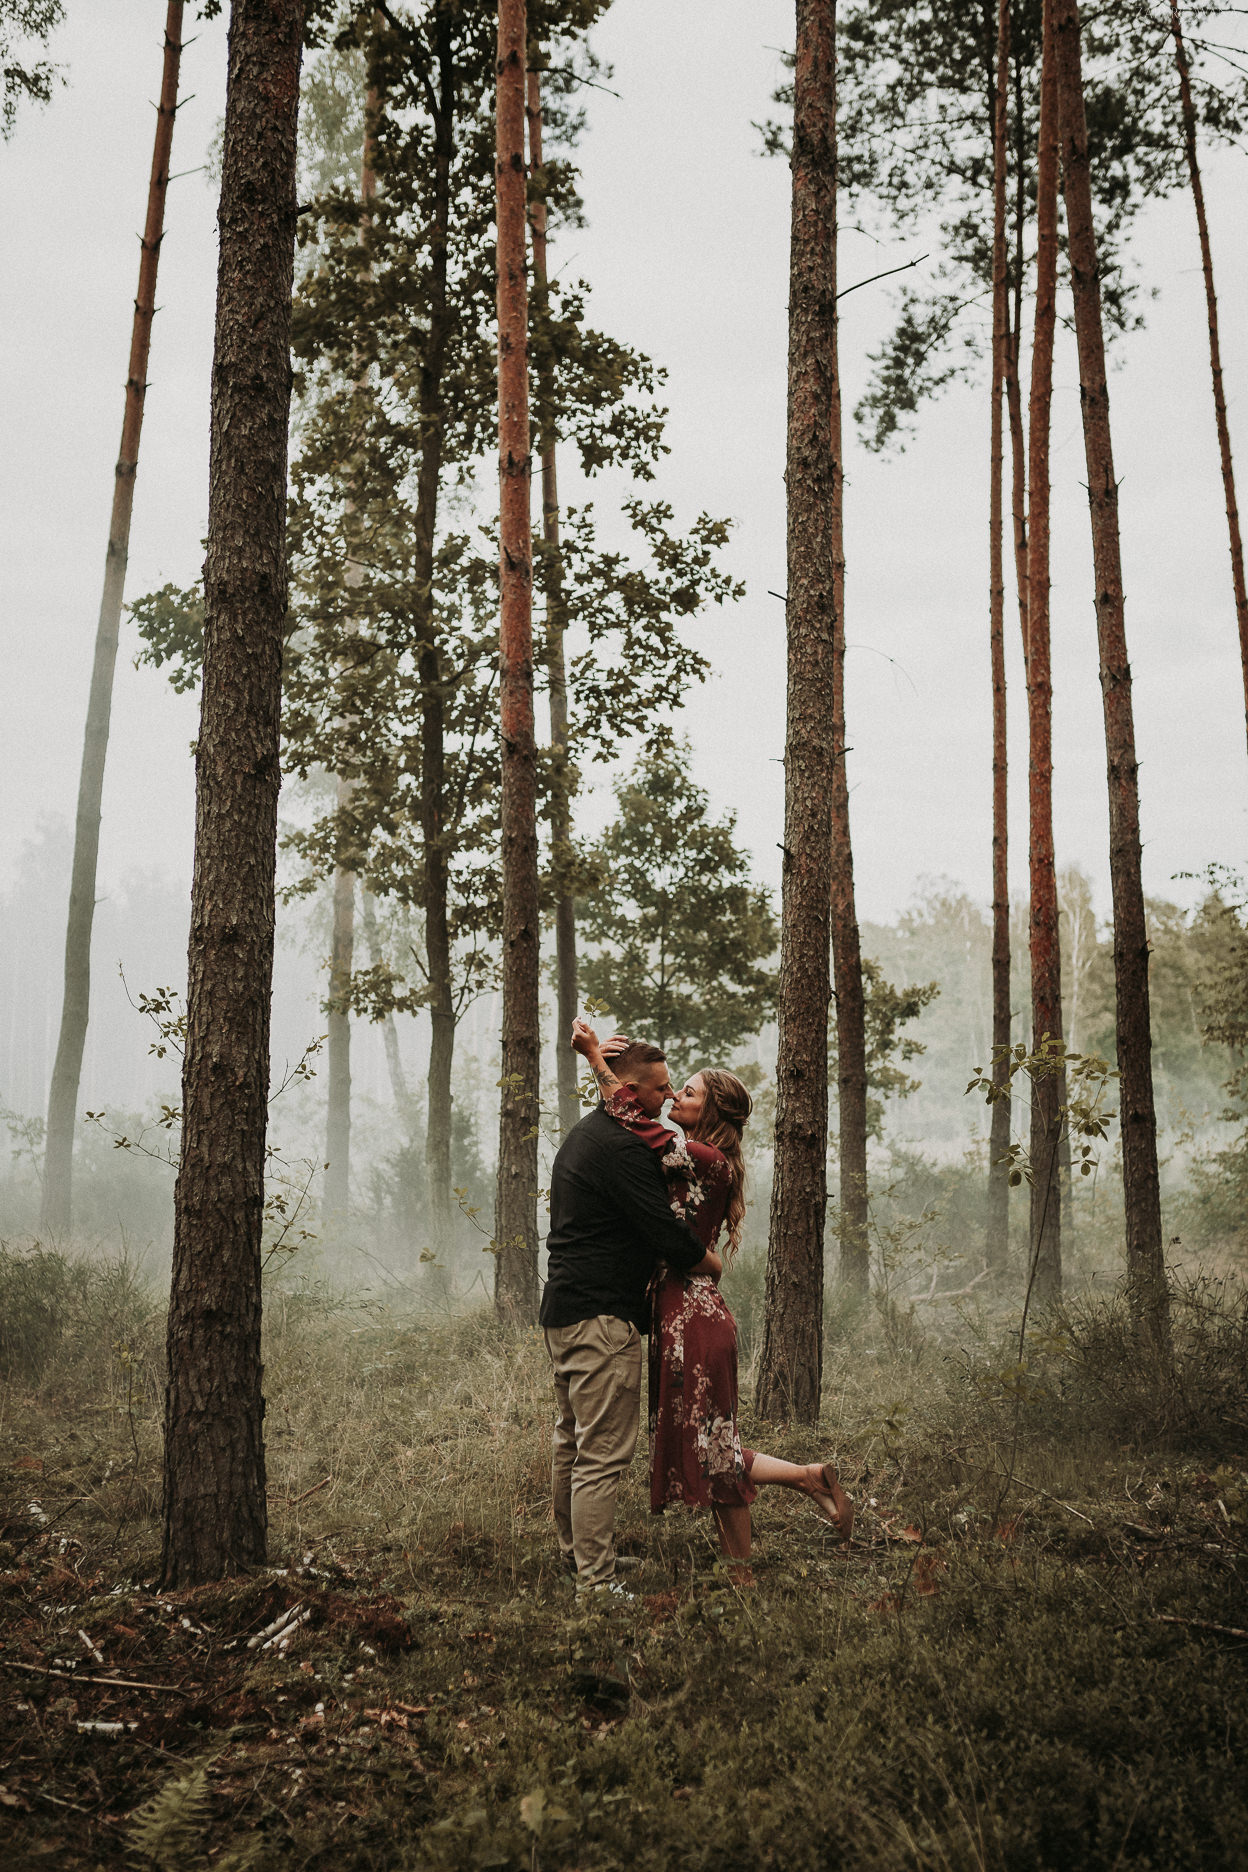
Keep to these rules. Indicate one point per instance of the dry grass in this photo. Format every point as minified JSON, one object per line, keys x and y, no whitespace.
{"x":1023,"y":1670}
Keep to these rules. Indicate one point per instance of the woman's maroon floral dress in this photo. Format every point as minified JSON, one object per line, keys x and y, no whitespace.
{"x":695,"y":1450}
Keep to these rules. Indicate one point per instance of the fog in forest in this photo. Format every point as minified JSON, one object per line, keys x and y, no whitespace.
{"x":677,"y":583}
{"x":916,"y":669}
{"x":928,"y":1151}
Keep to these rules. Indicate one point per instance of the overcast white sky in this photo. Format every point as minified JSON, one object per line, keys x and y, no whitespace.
{"x":687,"y":252}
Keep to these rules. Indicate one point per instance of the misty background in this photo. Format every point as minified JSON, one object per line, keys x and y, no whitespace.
{"x":686,"y":249}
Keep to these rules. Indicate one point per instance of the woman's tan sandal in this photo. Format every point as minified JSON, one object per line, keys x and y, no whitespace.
{"x":832,"y":1503}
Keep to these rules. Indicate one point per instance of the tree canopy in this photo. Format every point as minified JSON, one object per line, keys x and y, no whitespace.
{"x":681,"y":934}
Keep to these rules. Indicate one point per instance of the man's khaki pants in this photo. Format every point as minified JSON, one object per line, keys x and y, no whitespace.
{"x":597,"y":1364}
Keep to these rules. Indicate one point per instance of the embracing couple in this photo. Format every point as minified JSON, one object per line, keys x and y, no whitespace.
{"x":637,"y":1210}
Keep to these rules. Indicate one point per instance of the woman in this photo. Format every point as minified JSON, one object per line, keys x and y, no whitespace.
{"x":695,"y":1449}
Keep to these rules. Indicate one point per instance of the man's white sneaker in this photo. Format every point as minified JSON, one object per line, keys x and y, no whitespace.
{"x":608,"y":1592}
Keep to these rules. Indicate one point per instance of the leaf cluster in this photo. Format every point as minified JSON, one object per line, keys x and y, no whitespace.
{"x":680,"y":934}
{"x":1083,"y":1117}
{"x":24,"y":78}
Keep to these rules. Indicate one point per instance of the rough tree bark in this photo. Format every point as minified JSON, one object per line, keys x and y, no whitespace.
{"x":342,"y":940}
{"x":75,"y":1010}
{"x":1215,"y":348}
{"x":851,"y":1016}
{"x":998,"y":1221}
{"x":790,"y":1369}
{"x":566,"y":998}
{"x":433,"y":691}
{"x":515,"y":1214}
{"x":1147,"y":1293}
{"x":1044,"y":1269}
{"x":214,"y":1500}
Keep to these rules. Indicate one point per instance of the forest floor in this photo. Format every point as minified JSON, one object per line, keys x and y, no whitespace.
{"x":1033,"y":1655}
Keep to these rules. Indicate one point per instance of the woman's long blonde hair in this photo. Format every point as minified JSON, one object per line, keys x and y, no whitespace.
{"x":726,"y":1105}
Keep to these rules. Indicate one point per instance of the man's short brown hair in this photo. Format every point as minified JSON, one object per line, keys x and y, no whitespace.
{"x":639,"y":1053}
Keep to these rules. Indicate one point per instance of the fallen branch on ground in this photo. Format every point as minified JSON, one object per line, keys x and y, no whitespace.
{"x":1031,"y":1487}
{"x":1201,"y":1624}
{"x":953,"y":1293}
{"x":293,"y":1501}
{"x":118,"y":1683}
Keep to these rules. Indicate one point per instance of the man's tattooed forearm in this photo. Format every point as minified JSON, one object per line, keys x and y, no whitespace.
{"x":605,"y":1076}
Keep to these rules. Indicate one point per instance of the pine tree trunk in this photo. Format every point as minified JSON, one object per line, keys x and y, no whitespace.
{"x":1146,"y":1273}
{"x":214,"y":1476}
{"x":998,"y":1222}
{"x":1215,"y":348}
{"x":791,"y":1364}
{"x":338,"y":1040}
{"x":442,"y":1023}
{"x":1018,"y":475}
{"x":337,"y":1195}
{"x":515,"y":1215}
{"x":435,"y":834}
{"x":57,"y":1216}
{"x":851,"y":1015}
{"x":1014,"y":328}
{"x":566,"y":997}
{"x":1044,"y":1269}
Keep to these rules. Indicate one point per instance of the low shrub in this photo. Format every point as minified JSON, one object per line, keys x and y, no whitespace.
{"x":65,"y":1322}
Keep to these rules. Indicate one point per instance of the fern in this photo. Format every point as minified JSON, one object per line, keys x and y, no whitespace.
{"x":244,"y":1858}
{"x":167,"y":1829}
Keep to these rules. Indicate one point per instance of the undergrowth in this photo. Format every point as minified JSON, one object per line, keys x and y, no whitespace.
{"x":1031,"y":1657}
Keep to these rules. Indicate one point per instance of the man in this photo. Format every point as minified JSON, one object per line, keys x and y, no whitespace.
{"x":610,"y":1223}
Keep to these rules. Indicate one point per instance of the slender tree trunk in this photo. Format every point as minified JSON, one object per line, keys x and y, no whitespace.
{"x":338,"y":1041}
{"x":851,"y":1016}
{"x":566,"y":997}
{"x":400,"y":1091}
{"x":998,"y":1227}
{"x":791,"y":1365}
{"x":435,"y":834}
{"x":342,"y":942}
{"x":1146,"y":1273}
{"x":214,"y":1500}
{"x":75,"y":1011}
{"x":1014,"y":339}
{"x":1047,"y":1095}
{"x":442,"y":1024}
{"x":1215,"y":348}
{"x":515,"y":1216}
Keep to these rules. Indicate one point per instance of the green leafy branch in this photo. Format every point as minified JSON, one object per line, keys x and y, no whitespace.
{"x":1083,"y":1115}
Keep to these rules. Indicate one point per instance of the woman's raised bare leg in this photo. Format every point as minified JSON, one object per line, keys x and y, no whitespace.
{"x":818,"y":1480}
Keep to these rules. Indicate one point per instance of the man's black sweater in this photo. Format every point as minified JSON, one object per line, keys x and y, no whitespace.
{"x":610,"y":1222}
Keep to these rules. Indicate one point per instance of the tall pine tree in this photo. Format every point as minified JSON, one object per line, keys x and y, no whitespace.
{"x":58,"y":1166}
{"x":1048,"y":1093}
{"x":515,"y":1211}
{"x":215,"y":1515}
{"x":1146,"y":1273}
{"x":998,"y":1228}
{"x":791,"y":1366}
